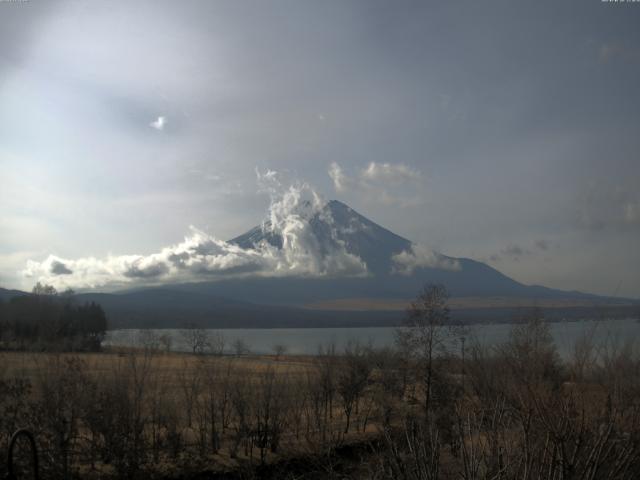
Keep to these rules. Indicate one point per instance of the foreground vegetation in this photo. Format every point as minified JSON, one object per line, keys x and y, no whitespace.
{"x":515,"y":411}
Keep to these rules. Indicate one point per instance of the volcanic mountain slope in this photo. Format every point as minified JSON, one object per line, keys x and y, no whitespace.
{"x":395,"y":267}
{"x":337,"y":226}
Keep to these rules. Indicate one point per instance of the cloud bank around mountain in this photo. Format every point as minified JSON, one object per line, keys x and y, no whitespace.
{"x":201,"y":256}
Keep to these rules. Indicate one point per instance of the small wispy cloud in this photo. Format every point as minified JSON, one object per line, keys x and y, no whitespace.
{"x":385,"y":183}
{"x":159,"y":123}
{"x":609,"y":208}
{"x":340,"y":180}
{"x":421,"y":256}
{"x":514,"y":252}
{"x":388,"y":172}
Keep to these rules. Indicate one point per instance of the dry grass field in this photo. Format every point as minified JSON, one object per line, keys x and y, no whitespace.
{"x":176,"y":412}
{"x":515,"y":411}
{"x":173,"y":365}
{"x":456,"y":303}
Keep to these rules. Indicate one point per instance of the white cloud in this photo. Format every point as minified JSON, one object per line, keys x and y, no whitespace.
{"x":421,"y":256}
{"x":385,"y":183}
{"x":388,"y":172}
{"x":340,"y":181}
{"x":159,"y":123}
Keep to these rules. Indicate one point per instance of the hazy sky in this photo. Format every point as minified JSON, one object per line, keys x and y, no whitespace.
{"x":504,"y":131}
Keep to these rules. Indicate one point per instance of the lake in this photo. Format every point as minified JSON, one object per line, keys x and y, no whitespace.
{"x":305,"y":341}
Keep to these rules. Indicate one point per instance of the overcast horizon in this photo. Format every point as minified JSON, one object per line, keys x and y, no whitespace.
{"x":131,"y":131}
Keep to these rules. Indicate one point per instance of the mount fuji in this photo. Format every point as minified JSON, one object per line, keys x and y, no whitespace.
{"x":351,"y":272}
{"x":396,"y":268}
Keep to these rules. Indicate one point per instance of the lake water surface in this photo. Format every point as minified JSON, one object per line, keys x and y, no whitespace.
{"x":305,"y":341}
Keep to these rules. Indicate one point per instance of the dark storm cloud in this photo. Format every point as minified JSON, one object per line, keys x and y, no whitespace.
{"x":152,"y":270}
{"x":179,"y":260}
{"x":59,"y":268}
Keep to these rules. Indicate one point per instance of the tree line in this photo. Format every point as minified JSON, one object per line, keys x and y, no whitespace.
{"x":47,"y":320}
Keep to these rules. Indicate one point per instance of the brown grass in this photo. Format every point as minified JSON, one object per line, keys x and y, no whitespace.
{"x":456,"y":303}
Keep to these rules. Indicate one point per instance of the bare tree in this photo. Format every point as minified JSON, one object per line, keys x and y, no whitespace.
{"x":388,"y":388}
{"x":279,"y":350}
{"x":326,"y":382}
{"x":121,"y":415}
{"x":217,"y":343}
{"x":241,"y":405}
{"x":196,"y":338}
{"x":165,"y":341}
{"x":530,"y":351}
{"x":190,"y":381}
{"x":425,"y":333}
{"x":148,"y":340}
{"x":62,"y":385}
{"x":213,"y":405}
{"x":352,"y":378}
{"x":269,"y":417}
{"x":44,"y":290}
{"x":240,"y":347}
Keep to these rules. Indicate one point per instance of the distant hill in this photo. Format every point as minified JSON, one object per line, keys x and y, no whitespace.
{"x":6,"y":295}
{"x":165,"y":308}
